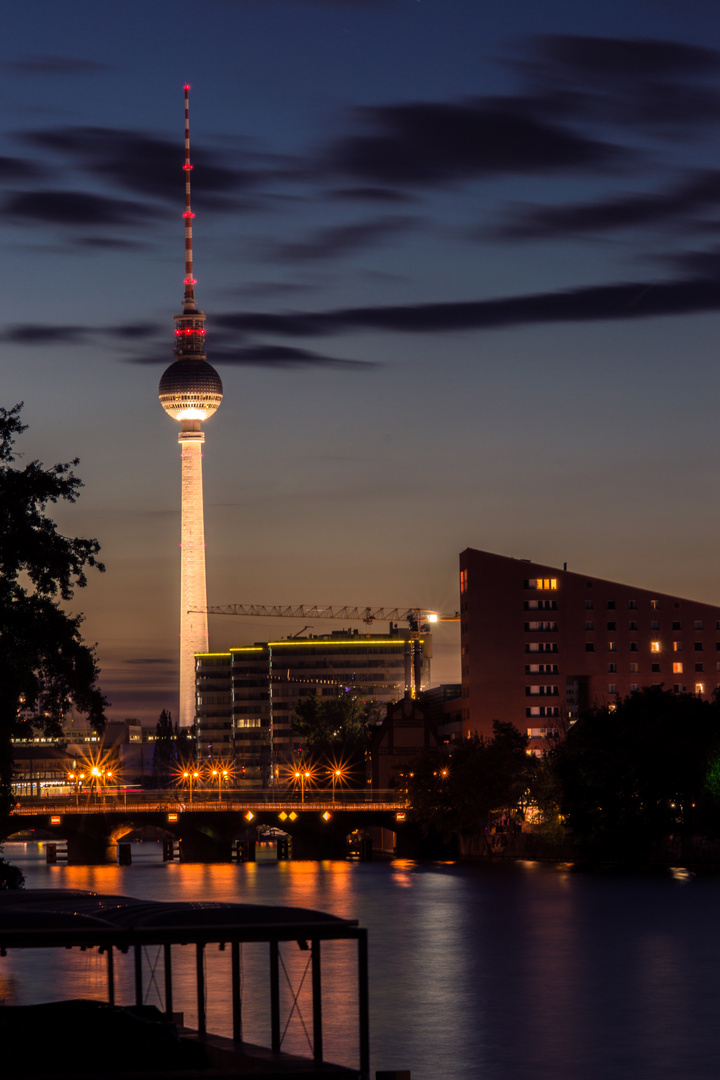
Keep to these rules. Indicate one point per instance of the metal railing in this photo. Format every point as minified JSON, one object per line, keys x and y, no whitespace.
{"x":230,"y":799}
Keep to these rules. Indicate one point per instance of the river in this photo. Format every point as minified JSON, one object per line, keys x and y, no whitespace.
{"x":491,"y":972}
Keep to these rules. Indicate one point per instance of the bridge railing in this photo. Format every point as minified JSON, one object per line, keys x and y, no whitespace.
{"x":233,"y":799}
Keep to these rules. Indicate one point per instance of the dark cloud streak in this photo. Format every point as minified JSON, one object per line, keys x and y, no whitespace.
{"x":628,"y":300}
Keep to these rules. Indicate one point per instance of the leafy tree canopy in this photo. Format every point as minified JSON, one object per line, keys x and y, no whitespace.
{"x":458,"y":789}
{"x":636,"y":772}
{"x":41,"y":647}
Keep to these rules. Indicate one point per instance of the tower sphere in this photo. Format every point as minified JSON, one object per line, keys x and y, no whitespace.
{"x":190,"y":389}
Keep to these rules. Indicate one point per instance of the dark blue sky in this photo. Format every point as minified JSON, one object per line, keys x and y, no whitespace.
{"x":461,"y":268}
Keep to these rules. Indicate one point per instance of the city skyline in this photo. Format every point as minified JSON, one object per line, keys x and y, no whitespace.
{"x":460,"y":270}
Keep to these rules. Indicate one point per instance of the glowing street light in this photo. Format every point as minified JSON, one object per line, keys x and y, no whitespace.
{"x":77,"y":779}
{"x":190,"y":776}
{"x":302,"y":775}
{"x":338,"y":775}
{"x":220,"y":774}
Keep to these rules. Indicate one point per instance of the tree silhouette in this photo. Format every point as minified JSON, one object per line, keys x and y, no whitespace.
{"x":41,"y":647}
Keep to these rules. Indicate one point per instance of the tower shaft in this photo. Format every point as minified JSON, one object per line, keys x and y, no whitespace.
{"x":193,"y":594}
{"x":190,"y":390}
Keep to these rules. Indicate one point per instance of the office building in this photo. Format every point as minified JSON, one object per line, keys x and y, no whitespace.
{"x":246,"y":696}
{"x":539,"y":645}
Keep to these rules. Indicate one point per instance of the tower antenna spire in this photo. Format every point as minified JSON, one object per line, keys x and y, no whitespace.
{"x":190,"y":391}
{"x":189,"y":299}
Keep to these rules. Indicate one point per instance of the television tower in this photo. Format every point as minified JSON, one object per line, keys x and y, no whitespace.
{"x":190,"y":391}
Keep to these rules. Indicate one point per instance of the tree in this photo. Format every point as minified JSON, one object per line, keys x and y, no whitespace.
{"x":41,"y":647}
{"x":459,"y":789}
{"x":335,"y":729}
{"x":165,"y":749}
{"x":636,"y":772}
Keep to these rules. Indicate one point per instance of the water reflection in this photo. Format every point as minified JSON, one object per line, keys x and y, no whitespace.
{"x":495,"y":971}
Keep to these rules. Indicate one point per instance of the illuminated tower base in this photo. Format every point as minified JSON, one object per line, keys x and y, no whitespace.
{"x":193,"y":596}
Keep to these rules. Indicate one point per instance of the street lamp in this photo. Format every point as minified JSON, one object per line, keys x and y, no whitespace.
{"x":303,"y":775}
{"x":338,"y":774}
{"x":76,"y":778}
{"x":189,"y":775}
{"x":220,"y":774}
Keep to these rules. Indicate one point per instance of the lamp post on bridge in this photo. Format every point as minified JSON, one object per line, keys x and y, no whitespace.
{"x":190,"y":775}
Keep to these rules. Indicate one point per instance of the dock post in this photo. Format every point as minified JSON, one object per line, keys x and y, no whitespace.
{"x":138,"y":974}
{"x":316,"y":1001}
{"x":167,"y":968}
{"x":110,"y":976}
{"x":363,"y":1004}
{"x":236,"y":998}
{"x":274,"y":998}
{"x":200,"y":973}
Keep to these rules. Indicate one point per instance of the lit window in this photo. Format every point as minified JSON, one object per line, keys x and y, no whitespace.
{"x":677,"y":669}
{"x":654,"y":646}
{"x":699,"y":687}
{"x":544,"y":583}
{"x":463,"y":581}
{"x":677,"y":646}
{"x":612,"y":646}
{"x":655,"y":605}
{"x":634,"y":669}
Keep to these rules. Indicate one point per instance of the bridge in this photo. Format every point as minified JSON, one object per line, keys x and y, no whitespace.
{"x":209,"y":826}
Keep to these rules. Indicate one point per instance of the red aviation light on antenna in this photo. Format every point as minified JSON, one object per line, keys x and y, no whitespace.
{"x":188,"y":166}
{"x":188,"y":213}
{"x":189,"y":281}
{"x":186,"y":86}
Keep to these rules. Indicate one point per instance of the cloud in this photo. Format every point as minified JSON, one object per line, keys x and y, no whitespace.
{"x":627,"y":300}
{"x":434,"y":143}
{"x":135,"y":331}
{"x":14,"y":169}
{"x":283,"y":356}
{"x":648,"y":84}
{"x":56,"y":65}
{"x":371,"y":194}
{"x":140,"y":162}
{"x":607,"y":59}
{"x":151,"y":660}
{"x":223,"y":350}
{"x":634,"y":211}
{"x":34,"y":334}
{"x":73,"y":208}
{"x":337,"y":240}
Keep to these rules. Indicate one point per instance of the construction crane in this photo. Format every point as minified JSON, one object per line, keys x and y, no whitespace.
{"x":417,"y":618}
{"x":413,"y":616}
